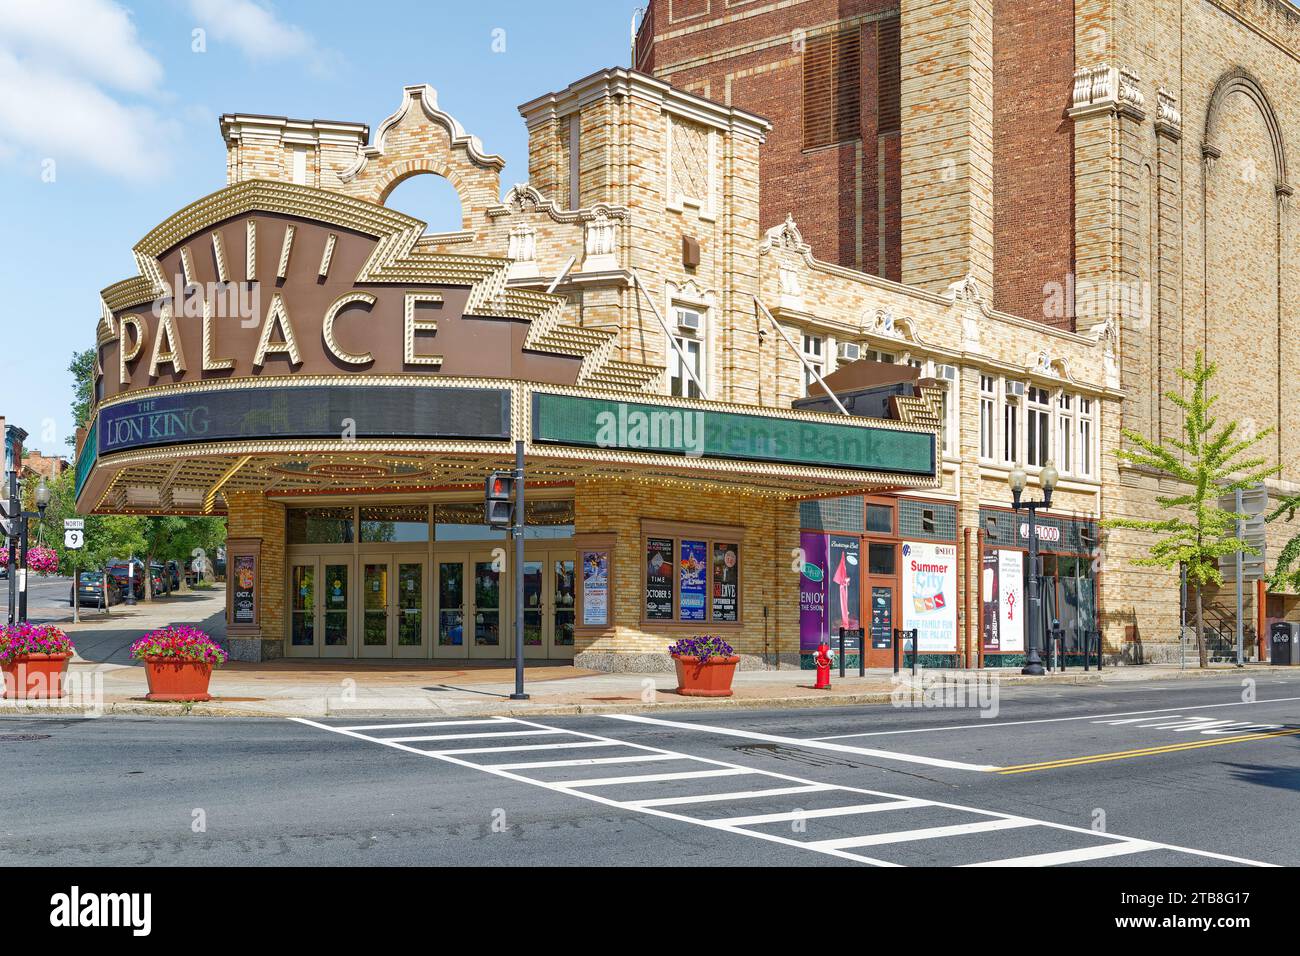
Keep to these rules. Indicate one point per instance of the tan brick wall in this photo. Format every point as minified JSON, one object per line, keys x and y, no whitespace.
{"x":253,"y":516}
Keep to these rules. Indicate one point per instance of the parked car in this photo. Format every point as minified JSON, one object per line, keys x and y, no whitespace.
{"x":90,"y":590}
{"x":162,"y":583}
{"x":118,"y":571}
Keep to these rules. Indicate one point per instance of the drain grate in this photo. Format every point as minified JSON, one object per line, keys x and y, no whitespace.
{"x":5,"y":738}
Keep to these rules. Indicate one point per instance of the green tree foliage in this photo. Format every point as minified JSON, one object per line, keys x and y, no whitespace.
{"x":1208,"y":463}
{"x":1286,"y":573}
{"x":82,"y":369}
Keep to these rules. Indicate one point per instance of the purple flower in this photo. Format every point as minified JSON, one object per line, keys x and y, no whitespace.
{"x":703,"y":647}
{"x":19,"y":640}
{"x":179,"y":641}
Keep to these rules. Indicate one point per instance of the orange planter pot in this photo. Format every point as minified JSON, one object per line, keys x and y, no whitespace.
{"x":176,"y":680}
{"x":35,"y":676}
{"x":711,"y":678}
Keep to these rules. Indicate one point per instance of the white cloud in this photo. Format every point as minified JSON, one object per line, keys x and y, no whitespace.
{"x":55,"y":115}
{"x":254,"y":28}
{"x":93,"y":37}
{"x":59,"y":60}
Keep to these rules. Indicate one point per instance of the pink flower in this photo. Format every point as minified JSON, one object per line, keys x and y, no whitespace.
{"x":182,"y":641}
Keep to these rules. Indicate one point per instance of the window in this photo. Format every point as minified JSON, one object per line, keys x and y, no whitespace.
{"x":1086,"y":432}
{"x":1065,"y":433}
{"x":575,"y":140}
{"x":690,"y":325}
{"x":874,"y":355}
{"x":321,"y":526}
{"x":300,"y":166}
{"x":889,"y":80}
{"x":988,"y":413}
{"x":395,"y":523}
{"x":691,"y":578}
{"x":1011,"y":392}
{"x":832,"y":89}
{"x":880,"y":519}
{"x":1038,"y":447}
{"x":814,"y":347}
{"x":928,"y":520}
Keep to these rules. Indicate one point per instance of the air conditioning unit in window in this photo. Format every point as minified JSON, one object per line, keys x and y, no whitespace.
{"x":689,"y":321}
{"x":946,"y":372}
{"x":1016,"y":388}
{"x":848,"y":351}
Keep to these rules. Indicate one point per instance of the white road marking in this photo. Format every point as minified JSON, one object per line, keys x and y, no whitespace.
{"x":992,"y":724}
{"x":495,"y":733}
{"x":1081,"y":855}
{"x":792,"y":785}
{"x":433,"y":723}
{"x":584,"y":762}
{"x":655,"y":777}
{"x":793,"y":815}
{"x":517,"y":747}
{"x":926,"y":833}
{"x":810,"y":744}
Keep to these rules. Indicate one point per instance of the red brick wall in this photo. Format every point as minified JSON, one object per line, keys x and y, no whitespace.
{"x":1033,"y":152}
{"x":834,"y":192}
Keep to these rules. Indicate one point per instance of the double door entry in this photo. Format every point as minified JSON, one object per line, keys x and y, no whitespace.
{"x":455,"y":605}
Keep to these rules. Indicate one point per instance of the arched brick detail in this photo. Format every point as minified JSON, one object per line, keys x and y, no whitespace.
{"x":401,"y":172}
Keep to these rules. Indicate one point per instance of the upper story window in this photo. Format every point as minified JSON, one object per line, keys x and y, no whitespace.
{"x":814,"y":353}
{"x":832,"y":89}
{"x":988,"y":417}
{"x":1087,"y":435}
{"x":875,"y":355}
{"x":1065,"y":436}
{"x":1012,"y":395}
{"x":1038,"y":432}
{"x":690,"y":338}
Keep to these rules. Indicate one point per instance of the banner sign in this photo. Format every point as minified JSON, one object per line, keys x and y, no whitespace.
{"x":726,"y":581}
{"x":989,"y":602}
{"x":812,"y":591}
{"x":844,"y":591}
{"x":244,"y":600}
{"x":882,"y":618}
{"x":693,"y":587}
{"x":1011,"y":600}
{"x":930,"y":595}
{"x":595,"y":588}
{"x":334,"y":411}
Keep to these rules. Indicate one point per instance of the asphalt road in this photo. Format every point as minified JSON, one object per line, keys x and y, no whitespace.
{"x":1189,"y":773}
{"x":47,"y":598}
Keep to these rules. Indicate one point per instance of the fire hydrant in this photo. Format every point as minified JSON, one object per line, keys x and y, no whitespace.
{"x":823,"y":661}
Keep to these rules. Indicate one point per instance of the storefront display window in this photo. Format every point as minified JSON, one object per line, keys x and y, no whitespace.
{"x":691,"y":579}
{"x":395,"y":523}
{"x":321,"y":526}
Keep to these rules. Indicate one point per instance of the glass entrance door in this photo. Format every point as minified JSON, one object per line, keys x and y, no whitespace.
{"x":412,"y":633}
{"x":319,"y":607}
{"x":487,"y":623}
{"x":562,"y":567}
{"x":302,"y":610}
{"x":450,"y":588}
{"x":376,"y":608}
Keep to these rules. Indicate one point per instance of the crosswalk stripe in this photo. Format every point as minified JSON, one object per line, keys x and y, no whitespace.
{"x":584,"y":761}
{"x":719,"y":797}
{"x":520,"y":747}
{"x":1082,"y":854}
{"x":927,"y":833}
{"x":495,"y":733}
{"x":434,"y":723}
{"x":652,"y":778}
{"x":792,"y":815}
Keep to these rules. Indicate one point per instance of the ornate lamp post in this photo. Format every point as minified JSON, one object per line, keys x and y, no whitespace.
{"x":42,"y":502}
{"x":1018,"y":479}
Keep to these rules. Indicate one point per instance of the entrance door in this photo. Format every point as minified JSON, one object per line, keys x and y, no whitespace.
{"x":537,"y":604}
{"x":451,"y":587}
{"x":562,"y":566}
{"x":319,"y":608}
{"x":879,"y":595}
{"x":304,"y":629}
{"x":487,"y":625}
{"x":377,"y":617}
{"x":548,"y":605}
{"x":410,"y":607}
{"x":336,"y":608}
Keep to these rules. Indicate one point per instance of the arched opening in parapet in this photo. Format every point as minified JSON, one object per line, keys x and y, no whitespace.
{"x":430,"y":197}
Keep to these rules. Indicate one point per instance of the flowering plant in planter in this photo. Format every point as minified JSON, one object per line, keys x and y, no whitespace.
{"x":180,"y":642}
{"x":40,"y":559}
{"x":702,"y":648}
{"x":21,"y":640}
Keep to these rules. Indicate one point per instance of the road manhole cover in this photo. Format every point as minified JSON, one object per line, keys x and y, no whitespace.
{"x":5,"y":738}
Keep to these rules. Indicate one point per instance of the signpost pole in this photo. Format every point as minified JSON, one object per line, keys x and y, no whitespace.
{"x":11,"y":567}
{"x":518,"y":532}
{"x":1241,"y":531}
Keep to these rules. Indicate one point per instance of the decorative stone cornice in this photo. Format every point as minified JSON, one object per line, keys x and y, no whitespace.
{"x":1105,"y":88}
{"x":1169,"y":121}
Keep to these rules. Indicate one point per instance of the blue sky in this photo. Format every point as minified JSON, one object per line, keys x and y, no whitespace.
{"x":108,"y":124}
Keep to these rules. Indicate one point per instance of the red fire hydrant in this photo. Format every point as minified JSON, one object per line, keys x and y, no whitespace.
{"x":823,"y":661}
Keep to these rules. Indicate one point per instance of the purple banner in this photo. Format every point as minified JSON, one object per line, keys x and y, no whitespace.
{"x":812,"y":592}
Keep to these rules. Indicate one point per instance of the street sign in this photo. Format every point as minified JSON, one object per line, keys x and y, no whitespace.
{"x":74,"y":524}
{"x":74,"y":539}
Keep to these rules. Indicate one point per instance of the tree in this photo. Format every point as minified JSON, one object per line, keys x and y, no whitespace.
{"x":82,"y":369}
{"x":1208,"y":464}
{"x":1286,"y":574}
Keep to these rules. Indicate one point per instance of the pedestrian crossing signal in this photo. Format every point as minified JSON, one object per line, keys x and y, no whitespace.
{"x":8,"y":519}
{"x":499,"y":492}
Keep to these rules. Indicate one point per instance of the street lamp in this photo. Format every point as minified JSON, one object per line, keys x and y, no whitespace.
{"x":42,"y":497}
{"x":1018,"y":479}
{"x":42,"y":502}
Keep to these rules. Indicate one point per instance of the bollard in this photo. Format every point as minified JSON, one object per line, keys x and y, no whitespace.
{"x":862,"y":652}
{"x":841,"y":652}
{"x":897,"y":646}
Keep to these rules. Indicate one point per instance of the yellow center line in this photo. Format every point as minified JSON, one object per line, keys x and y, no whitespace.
{"x":1144,"y":752}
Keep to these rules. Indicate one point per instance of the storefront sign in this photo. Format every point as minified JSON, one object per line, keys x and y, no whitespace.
{"x":1043,"y":532}
{"x":844,"y":591}
{"x":358,"y":411}
{"x":659,"y":579}
{"x":811,"y":563}
{"x":693,"y":588}
{"x":882,"y":618}
{"x":669,"y":430}
{"x":1011,"y":600}
{"x":726,"y":581}
{"x":930,"y":595}
{"x":595,"y":588}
{"x":244,"y":597}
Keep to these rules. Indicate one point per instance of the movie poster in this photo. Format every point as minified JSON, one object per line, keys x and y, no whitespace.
{"x":659,"y":575}
{"x":930,"y":595}
{"x":244,"y":598}
{"x":812,"y":591}
{"x":693,"y":581}
{"x":726,"y":581}
{"x":1011,"y":600}
{"x":989,"y":602}
{"x":595,"y":588}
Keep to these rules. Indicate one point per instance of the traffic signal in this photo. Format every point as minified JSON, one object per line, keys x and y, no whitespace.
{"x":8,"y":518}
{"x":497,"y":500}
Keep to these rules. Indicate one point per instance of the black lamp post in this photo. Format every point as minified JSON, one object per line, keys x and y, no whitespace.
{"x":42,"y":502}
{"x":1018,"y":480}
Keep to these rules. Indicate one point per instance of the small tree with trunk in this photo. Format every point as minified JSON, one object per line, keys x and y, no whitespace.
{"x":1208,"y":463}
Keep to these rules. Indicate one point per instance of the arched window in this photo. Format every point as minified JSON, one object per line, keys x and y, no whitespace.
{"x":430,"y":197}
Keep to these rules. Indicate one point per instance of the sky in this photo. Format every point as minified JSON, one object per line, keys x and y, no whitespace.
{"x":109,"y":123}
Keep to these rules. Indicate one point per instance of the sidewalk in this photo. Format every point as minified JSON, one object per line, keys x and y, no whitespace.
{"x":298,"y":688}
